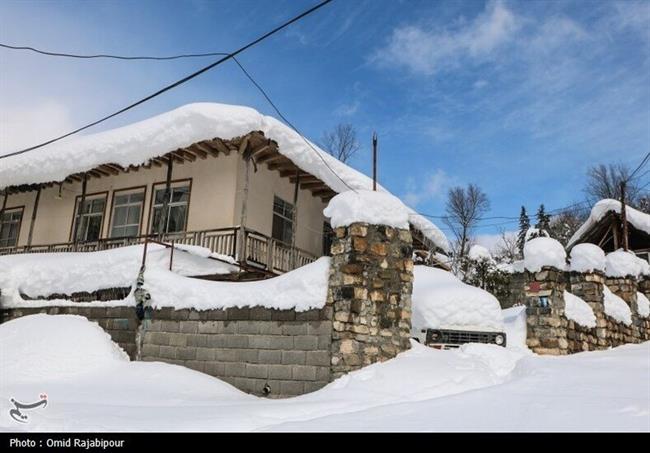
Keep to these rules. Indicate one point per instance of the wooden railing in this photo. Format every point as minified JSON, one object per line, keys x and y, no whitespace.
{"x":259,"y":251}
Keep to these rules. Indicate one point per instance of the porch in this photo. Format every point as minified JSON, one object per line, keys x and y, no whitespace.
{"x":253,"y":251}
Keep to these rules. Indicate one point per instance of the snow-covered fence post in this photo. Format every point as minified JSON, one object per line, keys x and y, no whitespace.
{"x":544,"y":263}
{"x":587,"y":281}
{"x":371,"y":279}
{"x":622,"y":271}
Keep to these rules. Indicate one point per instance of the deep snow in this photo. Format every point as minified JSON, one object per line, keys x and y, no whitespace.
{"x":478,"y":387}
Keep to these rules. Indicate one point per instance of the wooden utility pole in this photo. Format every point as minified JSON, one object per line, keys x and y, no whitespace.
{"x":161,"y":228}
{"x":374,"y":161}
{"x":294,"y":219}
{"x":34,"y":211}
{"x":80,"y":209}
{"x":624,"y":218}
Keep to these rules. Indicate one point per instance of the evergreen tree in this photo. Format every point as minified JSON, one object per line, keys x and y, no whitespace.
{"x":543,"y":221}
{"x":524,"y":225}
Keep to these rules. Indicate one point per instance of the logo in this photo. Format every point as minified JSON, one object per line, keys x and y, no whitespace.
{"x":17,"y":413}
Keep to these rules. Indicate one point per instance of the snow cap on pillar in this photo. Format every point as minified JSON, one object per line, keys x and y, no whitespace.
{"x":367,"y":206}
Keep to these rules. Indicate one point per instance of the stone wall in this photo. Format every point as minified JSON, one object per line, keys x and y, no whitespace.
{"x":284,"y":351}
{"x":371,"y":281}
{"x":119,"y":322}
{"x":551,"y":332}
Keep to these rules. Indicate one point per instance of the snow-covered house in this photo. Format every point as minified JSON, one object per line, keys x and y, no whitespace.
{"x":223,"y":177}
{"x":603,"y":227}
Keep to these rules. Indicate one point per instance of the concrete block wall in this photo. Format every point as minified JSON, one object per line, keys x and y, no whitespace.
{"x":284,"y":351}
{"x":119,"y":322}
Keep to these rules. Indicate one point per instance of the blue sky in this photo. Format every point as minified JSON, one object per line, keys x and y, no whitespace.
{"x":517,"y":97}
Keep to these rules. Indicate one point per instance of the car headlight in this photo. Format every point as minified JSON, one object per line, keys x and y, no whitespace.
{"x":499,"y":339}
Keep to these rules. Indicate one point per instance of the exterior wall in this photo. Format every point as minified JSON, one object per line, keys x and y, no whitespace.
{"x":119,"y":322}
{"x":263,"y":186}
{"x":251,"y":348}
{"x":215,"y":201}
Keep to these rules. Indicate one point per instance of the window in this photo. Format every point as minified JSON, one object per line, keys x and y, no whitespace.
{"x":282,"y":221}
{"x":89,"y":218}
{"x":179,"y":198}
{"x":127,"y":211}
{"x":10,"y":226}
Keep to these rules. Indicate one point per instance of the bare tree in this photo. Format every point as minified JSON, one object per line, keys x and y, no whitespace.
{"x":564,"y":224}
{"x":465,"y":206}
{"x":507,"y":249}
{"x":604,"y":181}
{"x":341,"y":142}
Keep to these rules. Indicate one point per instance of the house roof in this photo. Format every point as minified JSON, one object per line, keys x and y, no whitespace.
{"x":603,"y":209}
{"x":142,"y":142}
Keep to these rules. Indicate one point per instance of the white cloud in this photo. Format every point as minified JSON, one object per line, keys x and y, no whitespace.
{"x":25,"y":126}
{"x":348,"y":109}
{"x":425,"y":51}
{"x":434,"y":186}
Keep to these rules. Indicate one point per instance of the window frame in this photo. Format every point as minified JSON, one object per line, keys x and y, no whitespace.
{"x":20,"y":209}
{"x":89,"y":197}
{"x":129,"y":191}
{"x":152,"y":202}
{"x":284,"y":218}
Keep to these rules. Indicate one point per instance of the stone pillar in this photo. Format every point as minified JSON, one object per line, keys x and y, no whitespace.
{"x":625,"y":288}
{"x":588,"y":287}
{"x":370,"y":286}
{"x":547,"y":325}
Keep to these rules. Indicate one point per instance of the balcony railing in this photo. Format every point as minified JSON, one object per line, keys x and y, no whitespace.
{"x":259,"y":251}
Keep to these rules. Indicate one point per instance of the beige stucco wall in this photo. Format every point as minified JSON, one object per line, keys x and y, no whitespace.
{"x":215,"y":201}
{"x":263,"y":186}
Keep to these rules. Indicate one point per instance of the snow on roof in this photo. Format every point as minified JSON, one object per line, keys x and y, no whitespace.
{"x":43,"y":274}
{"x":442,"y":301}
{"x":543,"y":251}
{"x":366,"y":206}
{"x":302,"y":289}
{"x":638,"y":219}
{"x":136,"y":143}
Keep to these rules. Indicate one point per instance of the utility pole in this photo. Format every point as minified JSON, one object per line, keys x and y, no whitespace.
{"x":374,"y":161}
{"x":623,"y":218}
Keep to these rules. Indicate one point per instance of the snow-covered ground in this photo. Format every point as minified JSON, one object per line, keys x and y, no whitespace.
{"x":478,"y":387}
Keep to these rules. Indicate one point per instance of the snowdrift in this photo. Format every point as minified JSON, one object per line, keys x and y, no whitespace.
{"x":442,"y":301}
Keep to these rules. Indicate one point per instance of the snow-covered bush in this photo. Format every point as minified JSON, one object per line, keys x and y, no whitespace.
{"x":587,"y":258}
{"x":543,"y":251}
{"x":483,"y":271}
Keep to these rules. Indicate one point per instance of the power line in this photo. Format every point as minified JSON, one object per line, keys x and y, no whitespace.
{"x":289,"y":123}
{"x":643,"y":162}
{"x":115,"y":57}
{"x":179,"y":82}
{"x":180,"y":56}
